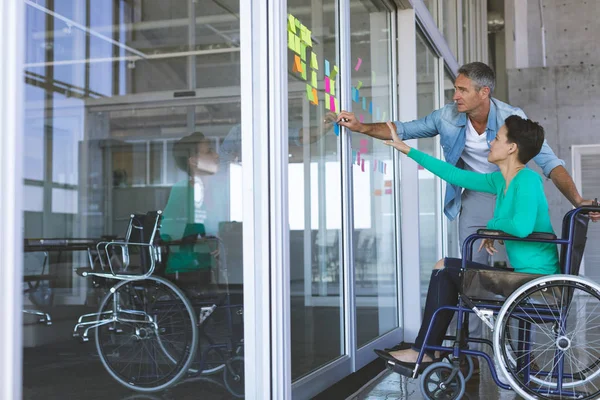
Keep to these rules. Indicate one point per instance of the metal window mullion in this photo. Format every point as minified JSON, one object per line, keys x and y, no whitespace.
{"x":12,"y":21}
{"x":345,"y":62}
{"x":256,"y":267}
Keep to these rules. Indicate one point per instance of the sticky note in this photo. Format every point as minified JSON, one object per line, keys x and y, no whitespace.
{"x":327,"y":102}
{"x":361,"y":118}
{"x":364,"y":143}
{"x":358,"y":157}
{"x":371,"y":107}
{"x":309,"y":38}
{"x":291,"y":41}
{"x":303,"y":70}
{"x":303,"y":51}
{"x":336,"y":129}
{"x":313,"y":79}
{"x":297,"y":22}
{"x":313,"y":61}
{"x":334,"y":72}
{"x":291,"y":24}
{"x":388,"y":191}
{"x":377,"y":192}
{"x":297,"y":65}
{"x":297,"y":47}
{"x":337,"y":104}
{"x":327,"y":87}
{"x":359,"y":85}
{"x":315,"y":97}
{"x":332,"y":86}
{"x":358,"y":64}
{"x":374,"y":165}
{"x":387,"y":184}
{"x":309,"y":93}
{"x":355,"y":95}
{"x":362,"y":165}
{"x":353,"y":156}
{"x":332,"y":103}
{"x":364,"y":103}
{"x":384,"y":116}
{"x":327,"y":68}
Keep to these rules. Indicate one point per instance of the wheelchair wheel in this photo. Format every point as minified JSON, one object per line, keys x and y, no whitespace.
{"x":438,"y":383}
{"x":468,"y":360}
{"x":148,"y":336}
{"x":550,"y":328}
{"x":234,"y":377}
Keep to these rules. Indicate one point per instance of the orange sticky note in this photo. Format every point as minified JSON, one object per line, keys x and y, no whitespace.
{"x":315,"y":99}
{"x":297,"y":64}
{"x":387,"y":184}
{"x":377,"y":192}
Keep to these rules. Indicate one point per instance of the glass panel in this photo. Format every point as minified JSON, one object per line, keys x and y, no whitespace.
{"x":429,"y":214}
{"x":450,"y":25}
{"x":109,"y":135}
{"x":432,"y":6}
{"x":374,"y":246}
{"x":315,"y":187}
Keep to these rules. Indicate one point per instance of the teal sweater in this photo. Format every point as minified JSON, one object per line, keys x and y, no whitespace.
{"x":522,"y":210}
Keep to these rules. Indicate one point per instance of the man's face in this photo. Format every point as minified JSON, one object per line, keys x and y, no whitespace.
{"x":466,"y":96}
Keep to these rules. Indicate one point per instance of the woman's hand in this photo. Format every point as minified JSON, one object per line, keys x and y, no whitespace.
{"x":488,"y":244}
{"x":396,"y":142}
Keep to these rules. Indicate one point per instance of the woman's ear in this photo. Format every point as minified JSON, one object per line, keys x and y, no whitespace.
{"x":513,"y":148}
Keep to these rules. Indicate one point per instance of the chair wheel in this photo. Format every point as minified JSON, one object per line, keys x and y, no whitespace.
{"x":234,"y":376}
{"x":437,"y":382}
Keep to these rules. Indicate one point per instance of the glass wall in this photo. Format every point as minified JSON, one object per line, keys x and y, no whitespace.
{"x":429,"y":191}
{"x":453,"y":247}
{"x":372,"y":176}
{"x":315,"y":197}
{"x":130,"y":108}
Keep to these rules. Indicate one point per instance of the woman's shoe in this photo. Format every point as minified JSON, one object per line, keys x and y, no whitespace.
{"x":402,"y":367}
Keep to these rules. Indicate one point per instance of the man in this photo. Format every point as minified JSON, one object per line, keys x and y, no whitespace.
{"x":466,"y":127}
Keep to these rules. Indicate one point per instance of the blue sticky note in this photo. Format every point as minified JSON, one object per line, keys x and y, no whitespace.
{"x":364,"y":103}
{"x":336,"y":129}
{"x":355,"y":95}
{"x":326,"y":68}
{"x":371,"y":107}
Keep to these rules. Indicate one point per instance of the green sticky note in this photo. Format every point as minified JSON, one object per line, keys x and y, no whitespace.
{"x":291,"y":23}
{"x":334,"y":72}
{"x":313,"y":61}
{"x":332,"y":87}
{"x":337,"y":104}
{"x":297,"y":47}
{"x":303,"y":65}
{"x":309,"y":93}
{"x":291,"y":41}
{"x":308,"y":37}
{"x":313,"y":80}
{"x":302,"y":51}
{"x":359,"y":85}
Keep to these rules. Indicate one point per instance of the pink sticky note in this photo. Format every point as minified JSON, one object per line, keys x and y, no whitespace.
{"x":374,"y":165}
{"x":327,"y":87}
{"x":364,"y":143}
{"x":362,"y":165}
{"x":358,"y":64}
{"x":358,"y":157}
{"x":332,"y":103}
{"x":361,"y":118}
{"x":388,"y":191}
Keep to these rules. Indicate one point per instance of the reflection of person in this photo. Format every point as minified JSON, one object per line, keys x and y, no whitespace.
{"x":187,"y":213}
{"x":466,"y":127}
{"x":521,"y":209}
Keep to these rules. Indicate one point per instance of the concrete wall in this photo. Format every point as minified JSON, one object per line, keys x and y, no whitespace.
{"x":564,"y":96}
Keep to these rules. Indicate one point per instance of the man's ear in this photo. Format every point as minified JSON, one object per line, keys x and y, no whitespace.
{"x":485,"y":92}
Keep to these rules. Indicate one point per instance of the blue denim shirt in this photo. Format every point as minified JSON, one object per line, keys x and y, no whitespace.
{"x":451,"y":125}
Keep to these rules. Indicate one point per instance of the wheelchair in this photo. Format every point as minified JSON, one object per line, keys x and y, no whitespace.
{"x":150,"y":332}
{"x":546,"y":329}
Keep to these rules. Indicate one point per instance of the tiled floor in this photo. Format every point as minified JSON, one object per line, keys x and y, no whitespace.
{"x":394,"y":386}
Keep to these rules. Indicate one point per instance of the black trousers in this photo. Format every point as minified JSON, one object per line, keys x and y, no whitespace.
{"x":443,"y":290}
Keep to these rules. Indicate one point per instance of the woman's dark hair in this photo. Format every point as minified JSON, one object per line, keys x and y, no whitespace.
{"x":187,"y":147}
{"x":528,"y":136}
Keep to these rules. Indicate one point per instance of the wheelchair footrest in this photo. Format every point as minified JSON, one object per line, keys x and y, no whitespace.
{"x":399,"y":369}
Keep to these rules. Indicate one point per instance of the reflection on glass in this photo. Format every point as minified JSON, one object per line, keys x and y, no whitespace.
{"x":450,"y":25}
{"x":110,"y":88}
{"x":429,"y":212}
{"x":372,"y":175}
{"x":314,"y":186}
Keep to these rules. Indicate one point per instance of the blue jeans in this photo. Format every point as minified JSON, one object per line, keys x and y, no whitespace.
{"x":443,"y":290}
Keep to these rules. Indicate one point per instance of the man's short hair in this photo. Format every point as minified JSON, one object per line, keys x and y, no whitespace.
{"x":527,"y":134}
{"x":481,"y":74}
{"x":187,"y":147}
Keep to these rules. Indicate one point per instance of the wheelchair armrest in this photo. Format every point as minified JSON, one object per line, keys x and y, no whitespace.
{"x":534,"y":235}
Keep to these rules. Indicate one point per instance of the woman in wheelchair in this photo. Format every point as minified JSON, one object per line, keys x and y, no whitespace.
{"x":521,"y":208}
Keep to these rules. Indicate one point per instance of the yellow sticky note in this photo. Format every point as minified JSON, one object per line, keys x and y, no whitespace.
{"x":291,"y":24}
{"x":308,"y":37}
{"x":327,"y":101}
{"x":309,"y":93}
{"x":337,"y":104}
{"x":334,"y":72}
{"x":303,"y":51}
{"x":332,"y":87}
{"x":291,"y":41}
{"x":314,"y":79}
{"x":313,"y":61}
{"x":359,"y":85}
{"x":303,"y":71}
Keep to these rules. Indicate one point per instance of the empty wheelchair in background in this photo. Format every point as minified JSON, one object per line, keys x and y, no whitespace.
{"x":149,"y":332}
{"x":546,"y":329}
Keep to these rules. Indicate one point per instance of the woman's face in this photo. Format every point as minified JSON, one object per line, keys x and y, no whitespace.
{"x":206,"y":160}
{"x":500,"y":149}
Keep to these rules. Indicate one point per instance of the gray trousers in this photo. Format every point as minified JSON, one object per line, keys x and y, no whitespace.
{"x":477,"y":209}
